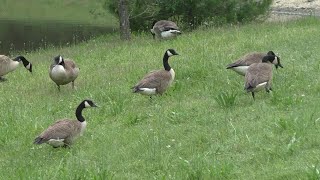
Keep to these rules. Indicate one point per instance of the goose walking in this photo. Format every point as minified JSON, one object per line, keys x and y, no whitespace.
{"x":157,"y":82}
{"x":63,"y":71}
{"x":164,"y":29}
{"x":241,"y":65}
{"x":259,"y":75}
{"x":63,"y":132}
{"x":7,"y":65}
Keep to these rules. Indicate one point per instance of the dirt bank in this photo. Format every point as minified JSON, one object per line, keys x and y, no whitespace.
{"x":283,"y":10}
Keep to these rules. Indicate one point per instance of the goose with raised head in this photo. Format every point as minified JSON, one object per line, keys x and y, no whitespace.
{"x":241,"y":65}
{"x":7,"y":64}
{"x":63,"y":132}
{"x":259,"y":75}
{"x":157,"y":82}
{"x":164,"y":29}
{"x":63,"y":71}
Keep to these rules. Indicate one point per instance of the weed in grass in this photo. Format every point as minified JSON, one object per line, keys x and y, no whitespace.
{"x":226,"y":99}
{"x":313,"y":171}
{"x":116,"y":105}
{"x":134,"y":119}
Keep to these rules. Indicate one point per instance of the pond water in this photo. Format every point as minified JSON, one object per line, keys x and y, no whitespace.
{"x":31,"y":35}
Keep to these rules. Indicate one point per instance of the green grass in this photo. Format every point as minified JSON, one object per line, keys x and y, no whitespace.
{"x":73,"y":11}
{"x":184,"y":134}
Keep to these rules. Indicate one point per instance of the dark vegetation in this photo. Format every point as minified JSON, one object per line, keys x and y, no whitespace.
{"x":190,"y":13}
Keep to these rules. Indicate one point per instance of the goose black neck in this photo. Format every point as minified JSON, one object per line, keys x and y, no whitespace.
{"x":79,"y":113}
{"x":165,"y":62}
{"x":268,"y":58}
{"x":24,"y":60}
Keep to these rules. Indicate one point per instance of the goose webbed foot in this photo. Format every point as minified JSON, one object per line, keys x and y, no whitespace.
{"x":2,"y":79}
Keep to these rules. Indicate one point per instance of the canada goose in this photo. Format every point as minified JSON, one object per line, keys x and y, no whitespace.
{"x":164,"y":29}
{"x":156,"y":82}
{"x":259,"y":75}
{"x":242,"y":64}
{"x":63,"y":132}
{"x":63,"y":71}
{"x":7,"y":65}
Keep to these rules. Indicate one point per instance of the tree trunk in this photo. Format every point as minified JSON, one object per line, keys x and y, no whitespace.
{"x":125,"y":33}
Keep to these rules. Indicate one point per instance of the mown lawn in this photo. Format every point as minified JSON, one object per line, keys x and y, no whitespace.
{"x":184,"y":134}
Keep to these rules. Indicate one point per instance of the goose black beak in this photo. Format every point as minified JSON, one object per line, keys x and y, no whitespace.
{"x":279,"y":65}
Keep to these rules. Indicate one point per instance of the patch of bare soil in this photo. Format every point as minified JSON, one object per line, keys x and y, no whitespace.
{"x":283,"y":10}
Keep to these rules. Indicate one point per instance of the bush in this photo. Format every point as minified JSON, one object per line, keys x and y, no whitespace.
{"x":191,"y":13}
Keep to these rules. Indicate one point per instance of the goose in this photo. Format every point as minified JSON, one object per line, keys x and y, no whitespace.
{"x":157,"y":82}
{"x":7,"y":65}
{"x":241,"y":65}
{"x":65,"y":131}
{"x":63,"y":71}
{"x":259,"y":75}
{"x":164,"y":29}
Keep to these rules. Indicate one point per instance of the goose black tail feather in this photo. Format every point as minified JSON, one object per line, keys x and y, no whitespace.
{"x":136,"y":89}
{"x":38,"y":140}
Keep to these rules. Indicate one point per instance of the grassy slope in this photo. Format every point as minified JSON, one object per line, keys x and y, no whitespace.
{"x":67,"y":10}
{"x":183,"y":134}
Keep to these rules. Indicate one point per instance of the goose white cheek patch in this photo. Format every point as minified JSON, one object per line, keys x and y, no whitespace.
{"x":275,"y":61}
{"x":28,"y":66}
{"x":86,"y":104}
{"x":169,"y":53}
{"x":60,"y":59}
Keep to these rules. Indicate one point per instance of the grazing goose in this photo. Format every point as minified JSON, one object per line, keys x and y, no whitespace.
{"x":259,"y":75}
{"x":7,"y":65}
{"x":157,"y":82}
{"x":164,"y":29}
{"x":63,"y":132}
{"x":63,"y":71}
{"x":242,"y":64}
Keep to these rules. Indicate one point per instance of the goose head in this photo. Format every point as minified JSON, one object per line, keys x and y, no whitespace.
{"x":171,"y":52}
{"x":88,"y":103}
{"x":25,"y":62}
{"x":58,"y":60}
{"x":272,"y":59}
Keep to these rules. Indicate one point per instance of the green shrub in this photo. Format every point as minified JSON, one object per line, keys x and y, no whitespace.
{"x":191,"y":13}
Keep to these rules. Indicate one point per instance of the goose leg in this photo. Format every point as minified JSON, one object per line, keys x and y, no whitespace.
{"x":58,"y":87}
{"x":66,"y":146}
{"x":253,"y":95}
{"x":72,"y":84}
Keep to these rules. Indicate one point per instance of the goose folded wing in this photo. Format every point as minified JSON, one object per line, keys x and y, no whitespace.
{"x":60,"y":130}
{"x":236,"y":64}
{"x":259,"y":74}
{"x":155,"y":79}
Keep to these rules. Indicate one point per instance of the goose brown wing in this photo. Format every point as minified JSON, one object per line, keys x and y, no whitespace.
{"x":4,"y":64}
{"x":154,"y":79}
{"x":166,"y":25}
{"x":4,"y":59}
{"x":69,"y":64}
{"x":247,"y":60}
{"x":71,"y":69}
{"x":258,"y":73}
{"x":61,"y":129}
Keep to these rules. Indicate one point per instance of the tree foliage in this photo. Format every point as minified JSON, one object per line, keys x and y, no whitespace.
{"x":192,"y":13}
